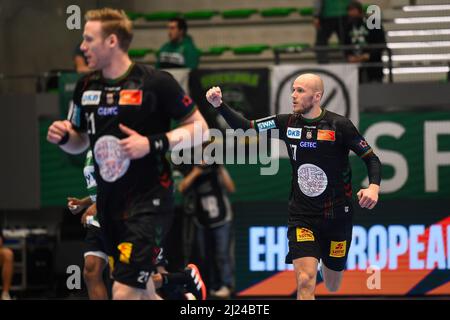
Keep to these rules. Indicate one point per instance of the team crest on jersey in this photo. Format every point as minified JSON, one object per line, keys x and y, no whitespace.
{"x":91,"y":98}
{"x":294,"y":133}
{"x":130,"y":97}
{"x":110,"y":97}
{"x":308,"y":134}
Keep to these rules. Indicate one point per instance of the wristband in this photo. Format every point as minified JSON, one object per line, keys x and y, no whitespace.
{"x":64,"y":139}
{"x":158,"y":143}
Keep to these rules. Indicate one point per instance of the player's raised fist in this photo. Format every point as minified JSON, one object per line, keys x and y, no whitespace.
{"x":214,"y":96}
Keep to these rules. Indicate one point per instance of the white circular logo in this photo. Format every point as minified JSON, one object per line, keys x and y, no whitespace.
{"x":111,"y":159}
{"x":312,"y":180}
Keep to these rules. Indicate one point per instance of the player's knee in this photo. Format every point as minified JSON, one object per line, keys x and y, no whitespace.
{"x":305,"y":281}
{"x":92,"y":270}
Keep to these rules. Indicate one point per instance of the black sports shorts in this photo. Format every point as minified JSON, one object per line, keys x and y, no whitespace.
{"x":321,"y":238}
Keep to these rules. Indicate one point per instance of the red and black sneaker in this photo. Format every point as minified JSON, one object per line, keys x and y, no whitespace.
{"x":195,"y":284}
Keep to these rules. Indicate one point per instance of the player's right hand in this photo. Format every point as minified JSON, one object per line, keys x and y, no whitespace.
{"x":75,"y":205}
{"x":58,"y":130}
{"x":214,"y":96}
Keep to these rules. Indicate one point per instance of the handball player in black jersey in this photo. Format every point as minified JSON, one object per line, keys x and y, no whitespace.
{"x":123,"y":111}
{"x":320,"y":204}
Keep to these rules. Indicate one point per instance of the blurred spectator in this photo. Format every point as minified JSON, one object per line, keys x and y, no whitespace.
{"x":7,"y":267}
{"x":329,"y":16}
{"x":180,"y":51}
{"x":358,"y":34}
{"x":213,"y":218}
{"x":80,"y":61}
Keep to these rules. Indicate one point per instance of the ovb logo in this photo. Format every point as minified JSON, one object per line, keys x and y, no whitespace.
{"x":294,"y":133}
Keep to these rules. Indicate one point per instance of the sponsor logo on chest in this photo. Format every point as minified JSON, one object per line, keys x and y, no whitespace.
{"x":326,"y":135}
{"x":294,"y":133}
{"x":308,"y":144}
{"x":108,"y":111}
{"x":91,"y":98}
{"x":130,"y":97}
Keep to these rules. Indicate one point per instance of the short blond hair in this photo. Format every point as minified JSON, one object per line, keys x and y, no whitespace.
{"x":113,"y":22}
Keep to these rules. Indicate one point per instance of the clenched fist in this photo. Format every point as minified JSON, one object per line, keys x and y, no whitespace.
{"x":58,"y":130}
{"x":214,"y":96}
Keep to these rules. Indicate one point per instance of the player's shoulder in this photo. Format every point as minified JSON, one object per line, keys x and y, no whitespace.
{"x":150,"y":71}
{"x":87,"y":78}
{"x":285,"y":118}
{"x":337,"y":118}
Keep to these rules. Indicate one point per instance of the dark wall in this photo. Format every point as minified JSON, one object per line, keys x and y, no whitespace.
{"x":34,"y":39}
{"x":19,"y":160}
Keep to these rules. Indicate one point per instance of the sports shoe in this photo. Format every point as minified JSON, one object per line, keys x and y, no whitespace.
{"x":5,"y":296}
{"x":223,"y":293}
{"x":195,"y":284}
{"x":189,"y":296}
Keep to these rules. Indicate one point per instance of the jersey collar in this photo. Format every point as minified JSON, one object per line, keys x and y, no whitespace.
{"x":116,"y":80}
{"x":322,"y":114}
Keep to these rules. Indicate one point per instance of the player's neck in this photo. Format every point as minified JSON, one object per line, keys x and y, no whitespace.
{"x":314,"y":113}
{"x":118,"y":66}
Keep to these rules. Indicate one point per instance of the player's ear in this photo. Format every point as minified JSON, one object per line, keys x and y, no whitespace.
{"x":318,"y":96}
{"x":112,"y":40}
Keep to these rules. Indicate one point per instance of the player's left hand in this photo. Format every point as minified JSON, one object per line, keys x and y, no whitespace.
{"x":368,"y":198}
{"x":135,"y":145}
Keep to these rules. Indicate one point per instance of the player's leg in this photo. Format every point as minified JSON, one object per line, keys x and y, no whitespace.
{"x":335,"y":244}
{"x":305,"y":275}
{"x":94,"y":265}
{"x":332,"y":279}
{"x":221,"y":236}
{"x":304,"y":253}
{"x":122,"y":291}
{"x":139,"y":241}
{"x":7,"y":266}
{"x":95,"y":261}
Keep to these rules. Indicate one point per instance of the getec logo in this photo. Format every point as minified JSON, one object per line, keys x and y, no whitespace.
{"x":308,"y":144}
{"x":91,"y":97}
{"x":108,"y":111}
{"x":294,"y":133}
